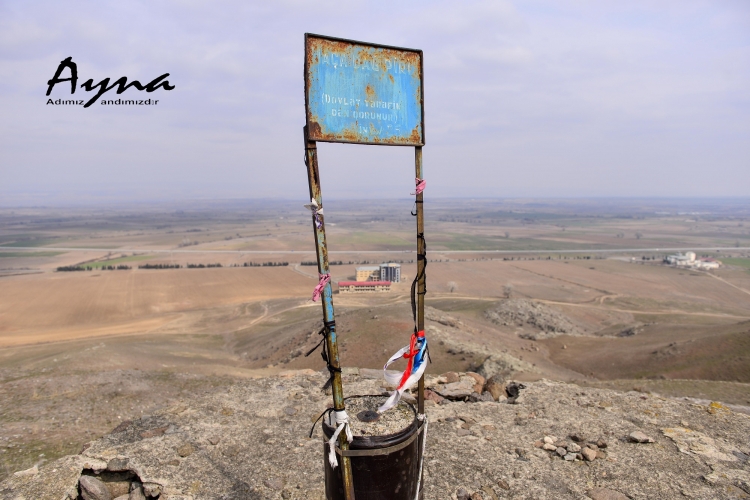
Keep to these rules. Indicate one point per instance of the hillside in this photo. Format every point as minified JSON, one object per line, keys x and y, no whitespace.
{"x":249,"y":440}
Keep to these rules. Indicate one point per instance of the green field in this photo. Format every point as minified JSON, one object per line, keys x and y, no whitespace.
{"x":740,"y":262}
{"x":114,"y":262}
{"x":31,"y":242}
{"x":468,"y":242}
{"x":359,"y":239}
{"x":29,"y":254}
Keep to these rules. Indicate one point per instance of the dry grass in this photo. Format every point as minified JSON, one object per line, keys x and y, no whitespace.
{"x":64,"y":306}
{"x":81,"y":351}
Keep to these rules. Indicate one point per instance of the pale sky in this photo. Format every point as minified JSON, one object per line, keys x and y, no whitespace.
{"x":522,"y":98}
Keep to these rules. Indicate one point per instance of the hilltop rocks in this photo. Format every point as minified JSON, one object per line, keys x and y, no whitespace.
{"x":503,"y":365}
{"x":495,"y":385}
{"x":462,"y":494}
{"x":107,"y":485}
{"x":513,"y":391}
{"x":483,"y":450}
{"x":470,"y":387}
{"x":696,"y":443}
{"x":589,"y":454}
{"x":605,"y":494}
{"x":570,"y":451}
{"x":93,"y":489}
{"x":459,"y":390}
{"x":639,"y":437}
{"x":520,"y":312}
{"x":432,"y":314}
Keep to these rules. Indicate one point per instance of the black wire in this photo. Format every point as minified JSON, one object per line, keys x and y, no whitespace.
{"x":332,"y":370}
{"x":415,"y":284}
{"x":420,"y":275}
{"x":312,"y":429}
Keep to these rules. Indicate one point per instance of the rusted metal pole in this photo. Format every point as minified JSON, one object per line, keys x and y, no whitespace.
{"x":313,"y":177}
{"x":421,"y":262}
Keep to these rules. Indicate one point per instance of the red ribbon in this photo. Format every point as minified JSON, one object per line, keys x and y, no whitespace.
{"x":410,"y":356}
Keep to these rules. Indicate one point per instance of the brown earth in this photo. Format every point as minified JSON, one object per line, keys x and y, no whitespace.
{"x":63,"y":306}
{"x":81,"y":351}
{"x":250,"y":440}
{"x":681,"y":351}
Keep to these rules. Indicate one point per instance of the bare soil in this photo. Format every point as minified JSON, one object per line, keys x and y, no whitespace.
{"x":82,"y":351}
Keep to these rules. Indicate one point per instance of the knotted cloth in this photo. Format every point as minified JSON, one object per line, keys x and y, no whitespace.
{"x":316,"y":210}
{"x":341,"y":420}
{"x":415,"y":354}
{"x":421,"y":184}
{"x":324,"y":279}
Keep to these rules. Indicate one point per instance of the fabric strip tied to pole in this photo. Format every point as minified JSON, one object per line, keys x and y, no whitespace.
{"x":316,"y":211}
{"x":324,"y":279}
{"x":341,"y":421}
{"x":415,"y":354}
{"x":421,"y":184}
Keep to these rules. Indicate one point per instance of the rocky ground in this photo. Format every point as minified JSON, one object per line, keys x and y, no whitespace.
{"x":250,"y":440}
{"x":48,"y":413}
{"x":543,"y":320}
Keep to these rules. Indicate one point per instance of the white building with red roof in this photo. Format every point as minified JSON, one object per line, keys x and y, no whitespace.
{"x":364,"y":286}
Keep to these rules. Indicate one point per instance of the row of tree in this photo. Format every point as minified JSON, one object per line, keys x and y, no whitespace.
{"x":263,"y":264}
{"x":66,"y":269}
{"x":357,"y":262}
{"x":330,"y":263}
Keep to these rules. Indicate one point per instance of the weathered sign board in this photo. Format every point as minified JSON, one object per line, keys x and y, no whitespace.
{"x":363,"y":93}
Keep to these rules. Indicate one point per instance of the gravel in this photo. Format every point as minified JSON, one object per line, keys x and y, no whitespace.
{"x":390,"y":422}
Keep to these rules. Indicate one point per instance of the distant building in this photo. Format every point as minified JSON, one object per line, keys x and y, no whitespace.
{"x":708,"y":263}
{"x":688,"y":259}
{"x":390,"y":272}
{"x":364,"y":286}
{"x":367,"y":273}
{"x":681,"y":259}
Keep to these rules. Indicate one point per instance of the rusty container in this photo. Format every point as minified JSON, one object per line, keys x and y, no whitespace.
{"x":383,"y":467}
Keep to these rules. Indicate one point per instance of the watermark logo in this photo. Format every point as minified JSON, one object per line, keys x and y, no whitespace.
{"x":103,"y":87}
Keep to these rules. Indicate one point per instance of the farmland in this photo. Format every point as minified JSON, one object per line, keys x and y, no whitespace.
{"x":101,"y":346}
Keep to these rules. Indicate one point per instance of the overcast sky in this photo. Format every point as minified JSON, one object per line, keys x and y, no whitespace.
{"x":522,"y":98}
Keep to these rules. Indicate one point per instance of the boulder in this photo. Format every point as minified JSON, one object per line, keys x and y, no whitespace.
{"x":93,"y":489}
{"x":495,"y":386}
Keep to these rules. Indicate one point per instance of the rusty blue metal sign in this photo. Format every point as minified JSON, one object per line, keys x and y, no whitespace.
{"x":363,"y":93}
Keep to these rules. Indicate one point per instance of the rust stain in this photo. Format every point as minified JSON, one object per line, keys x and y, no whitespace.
{"x":382,"y":62}
{"x":415,"y":135}
{"x":314,"y":130}
{"x":350,"y":134}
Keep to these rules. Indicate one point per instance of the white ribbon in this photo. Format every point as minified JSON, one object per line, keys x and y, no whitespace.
{"x":395,"y":379}
{"x":341,"y":420}
{"x":316,"y":211}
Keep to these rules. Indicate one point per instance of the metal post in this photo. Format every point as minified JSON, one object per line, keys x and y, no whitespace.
{"x":313,"y":177}
{"x":421,"y":262}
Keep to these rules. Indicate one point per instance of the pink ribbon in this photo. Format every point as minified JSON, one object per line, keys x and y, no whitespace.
{"x":421,"y":183}
{"x":324,"y":280}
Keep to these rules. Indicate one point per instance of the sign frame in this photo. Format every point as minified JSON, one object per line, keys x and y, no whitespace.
{"x":313,"y":127}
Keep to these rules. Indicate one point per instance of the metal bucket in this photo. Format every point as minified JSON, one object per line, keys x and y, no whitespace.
{"x":383,"y":467}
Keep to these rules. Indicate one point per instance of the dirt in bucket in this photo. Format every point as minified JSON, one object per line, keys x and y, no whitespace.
{"x":389,"y":422}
